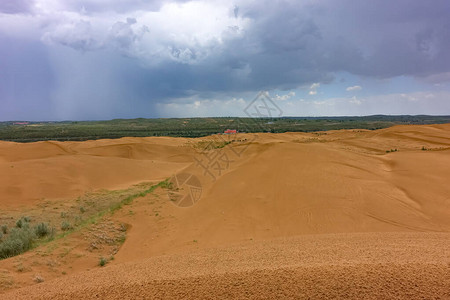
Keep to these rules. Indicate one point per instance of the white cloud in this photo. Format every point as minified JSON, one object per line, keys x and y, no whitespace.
{"x":394,"y":104}
{"x":353,"y":88}
{"x":313,"y":88}
{"x":194,"y":107}
{"x":414,"y":103}
{"x":284,"y":97}
{"x":354,"y":100}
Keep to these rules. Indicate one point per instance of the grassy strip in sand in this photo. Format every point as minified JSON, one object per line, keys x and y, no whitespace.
{"x":24,"y":237}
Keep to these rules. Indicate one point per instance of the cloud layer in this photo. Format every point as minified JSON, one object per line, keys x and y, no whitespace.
{"x":104,"y":59}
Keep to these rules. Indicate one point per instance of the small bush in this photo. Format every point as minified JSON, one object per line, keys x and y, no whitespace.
{"x":4,"y":229}
{"x":166,"y":184}
{"x":22,"y":222}
{"x":66,"y":226}
{"x":102,"y":262}
{"x":121,"y":239}
{"x":41,"y":230}
{"x":1,"y":236}
{"x":82,"y":210}
{"x":18,"y":241}
{"x":38,"y":279}
{"x":78,"y":220}
{"x":19,"y":223}
{"x":123,"y":227}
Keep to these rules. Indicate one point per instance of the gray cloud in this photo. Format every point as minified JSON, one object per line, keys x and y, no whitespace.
{"x":395,"y":38}
{"x":123,"y":37}
{"x":250,"y":46}
{"x":77,"y":35}
{"x":119,"y":6}
{"x":16,"y":6}
{"x":300,"y":43}
{"x":26,"y":80}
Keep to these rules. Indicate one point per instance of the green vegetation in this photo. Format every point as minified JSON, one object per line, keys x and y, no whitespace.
{"x":102,"y":261}
{"x":66,"y":226}
{"x":392,"y":150}
{"x":122,"y":239}
{"x":23,"y":222}
{"x":197,"y":127}
{"x":22,"y":237}
{"x":18,"y":241}
{"x":42,"y":230}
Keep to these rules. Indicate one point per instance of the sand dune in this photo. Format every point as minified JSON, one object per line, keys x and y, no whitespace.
{"x":31,"y":172}
{"x":332,"y":214}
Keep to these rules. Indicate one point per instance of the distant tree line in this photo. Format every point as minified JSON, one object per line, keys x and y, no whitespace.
{"x":196,"y":127}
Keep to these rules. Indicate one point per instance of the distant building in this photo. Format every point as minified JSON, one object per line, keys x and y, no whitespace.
{"x":21,"y":123}
{"x":230,"y":131}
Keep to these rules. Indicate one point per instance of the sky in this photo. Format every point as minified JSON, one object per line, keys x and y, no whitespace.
{"x":105,"y":59}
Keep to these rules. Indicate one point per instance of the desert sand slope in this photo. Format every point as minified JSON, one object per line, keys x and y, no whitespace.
{"x":357,"y":266}
{"x":286,"y":187}
{"x":346,"y":214}
{"x":33,"y":171}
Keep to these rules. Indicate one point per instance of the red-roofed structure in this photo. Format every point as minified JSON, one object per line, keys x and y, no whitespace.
{"x":230,"y":131}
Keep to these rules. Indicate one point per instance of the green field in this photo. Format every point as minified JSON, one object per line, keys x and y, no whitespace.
{"x":195,"y":127}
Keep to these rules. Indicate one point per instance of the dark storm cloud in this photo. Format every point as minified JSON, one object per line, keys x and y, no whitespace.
{"x":26,"y":80}
{"x":266,"y":45}
{"x":394,"y":37}
{"x":371,"y":38}
{"x":290,"y":45}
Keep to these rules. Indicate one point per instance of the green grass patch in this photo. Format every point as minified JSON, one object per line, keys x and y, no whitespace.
{"x":23,"y":237}
{"x":103,"y":261}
